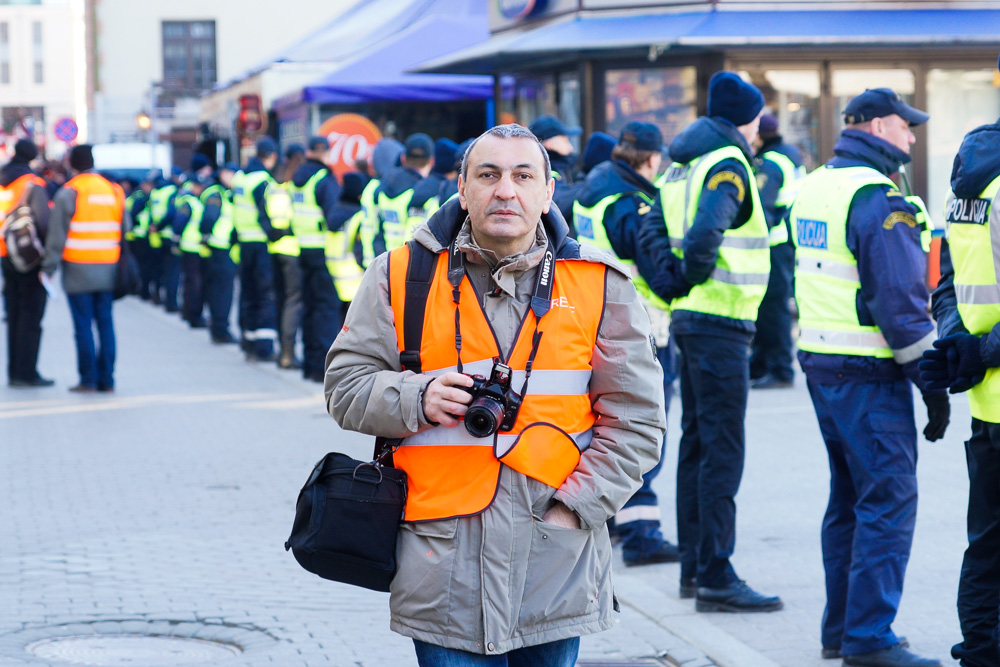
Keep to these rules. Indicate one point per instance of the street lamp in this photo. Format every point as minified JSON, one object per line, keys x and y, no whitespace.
{"x":144,"y":121}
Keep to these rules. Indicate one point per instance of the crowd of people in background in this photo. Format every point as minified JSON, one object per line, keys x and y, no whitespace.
{"x":715,"y":270}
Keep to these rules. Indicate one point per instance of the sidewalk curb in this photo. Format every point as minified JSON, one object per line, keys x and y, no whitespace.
{"x":681,"y":620}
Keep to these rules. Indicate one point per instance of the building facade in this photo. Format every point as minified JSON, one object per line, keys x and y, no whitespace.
{"x":601,"y":63}
{"x":41,"y":81}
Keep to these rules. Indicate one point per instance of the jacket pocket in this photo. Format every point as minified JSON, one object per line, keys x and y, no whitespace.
{"x":425,"y":556}
{"x":563,"y":576}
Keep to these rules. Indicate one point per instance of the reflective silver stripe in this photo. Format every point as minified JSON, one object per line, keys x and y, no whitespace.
{"x":676,"y":242}
{"x":978,"y":295}
{"x":542,"y":382}
{"x":915,"y":351}
{"x":777,"y":234}
{"x":90,"y":244}
{"x":637,"y":513}
{"x":850,"y":339}
{"x":311,"y":240}
{"x":91,"y":226}
{"x":251,"y":235}
{"x":218,"y":240}
{"x":745,"y":242}
{"x":827,"y":267}
{"x":458,"y":436}
{"x":732,"y":278}
{"x":261,"y":334}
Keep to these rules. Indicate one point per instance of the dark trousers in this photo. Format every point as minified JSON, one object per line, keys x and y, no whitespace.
{"x":193,"y":266}
{"x":171,"y":276}
{"x":96,"y":364}
{"x":220,"y":272}
{"x":558,"y":653}
{"x":25,"y":298}
{"x":288,"y":295}
{"x":714,"y":373}
{"x":258,"y":315}
{"x":157,"y":261}
{"x":871,"y":441}
{"x":979,"y":586}
{"x":321,"y":311}
{"x":141,"y":252}
{"x":638,"y":522}
{"x":771,"y":352}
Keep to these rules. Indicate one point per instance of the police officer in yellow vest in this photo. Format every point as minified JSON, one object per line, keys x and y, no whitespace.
{"x":315,"y":192}
{"x":395,"y":194}
{"x":162,"y":241}
{"x":194,"y":252}
{"x":425,"y":194}
{"x":385,"y":156}
{"x":344,"y":255}
{"x":258,"y":315}
{"x":778,"y":179}
{"x":138,"y":205}
{"x":519,"y":564}
{"x":967,"y":358}
{"x":863,"y":324}
{"x":608,"y":213}
{"x":285,"y":257}
{"x":709,"y":212}
{"x":217,"y":234}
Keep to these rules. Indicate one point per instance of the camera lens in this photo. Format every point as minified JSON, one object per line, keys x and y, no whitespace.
{"x":483,"y":417}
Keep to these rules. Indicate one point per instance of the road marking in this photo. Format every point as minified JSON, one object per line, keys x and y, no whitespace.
{"x":98,"y":405}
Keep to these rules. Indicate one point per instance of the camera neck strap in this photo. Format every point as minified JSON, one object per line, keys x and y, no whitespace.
{"x":541,"y":299}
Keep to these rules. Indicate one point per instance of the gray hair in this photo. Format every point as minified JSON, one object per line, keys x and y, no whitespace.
{"x":510,"y":131}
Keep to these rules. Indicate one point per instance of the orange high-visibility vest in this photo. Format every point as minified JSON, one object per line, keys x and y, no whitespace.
{"x":449,"y":472}
{"x":10,"y":195}
{"x":95,"y":231}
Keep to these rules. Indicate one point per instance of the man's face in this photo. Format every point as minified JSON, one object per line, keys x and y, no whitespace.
{"x":505,"y":191}
{"x":895,"y":130}
{"x":749,"y":131}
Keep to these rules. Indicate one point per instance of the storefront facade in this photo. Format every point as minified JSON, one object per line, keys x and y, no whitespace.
{"x":601,"y":63}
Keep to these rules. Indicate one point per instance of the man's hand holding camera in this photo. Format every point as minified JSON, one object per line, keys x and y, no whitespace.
{"x":445,"y":401}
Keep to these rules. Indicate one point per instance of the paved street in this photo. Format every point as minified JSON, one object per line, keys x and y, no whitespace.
{"x":162,"y":510}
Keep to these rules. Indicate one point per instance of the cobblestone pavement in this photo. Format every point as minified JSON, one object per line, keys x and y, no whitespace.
{"x":162,"y":510}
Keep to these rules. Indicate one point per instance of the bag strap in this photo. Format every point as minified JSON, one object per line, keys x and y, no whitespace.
{"x":20,"y":202}
{"x":419,"y":273}
{"x":384,"y":447}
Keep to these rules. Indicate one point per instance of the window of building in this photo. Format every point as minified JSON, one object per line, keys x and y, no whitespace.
{"x":665,"y":97}
{"x":4,"y":52}
{"x":188,"y":56}
{"x":38,"y":52}
{"x":792,"y":96}
{"x":958,"y":101}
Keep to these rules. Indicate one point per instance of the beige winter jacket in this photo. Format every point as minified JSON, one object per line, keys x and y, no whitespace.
{"x":504,"y":579}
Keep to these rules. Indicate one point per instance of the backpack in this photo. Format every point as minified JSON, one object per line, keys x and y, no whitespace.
{"x":24,"y":247}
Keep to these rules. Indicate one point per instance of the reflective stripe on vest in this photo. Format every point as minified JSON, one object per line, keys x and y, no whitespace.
{"x":973,"y":231}
{"x":159,"y":202}
{"x":222,"y":230}
{"x":95,"y":230}
{"x":369,"y":224}
{"x":589,"y":223}
{"x":826,"y":273}
{"x":246,"y":217}
{"x":791,"y":178}
{"x":394,"y":214}
{"x":9,"y":197}
{"x":340,"y":260}
{"x":191,"y":235}
{"x":308,"y":221}
{"x":737,"y":284}
{"x":449,"y":472}
{"x":278,"y":203}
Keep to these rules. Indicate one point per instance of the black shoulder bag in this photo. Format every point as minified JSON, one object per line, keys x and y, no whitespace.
{"x":348,"y":513}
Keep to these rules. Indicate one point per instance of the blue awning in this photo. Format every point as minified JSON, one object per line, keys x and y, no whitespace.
{"x":585,"y":34}
{"x":380,"y":74}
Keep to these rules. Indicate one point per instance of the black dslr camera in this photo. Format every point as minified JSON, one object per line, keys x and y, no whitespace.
{"x":494,"y":404}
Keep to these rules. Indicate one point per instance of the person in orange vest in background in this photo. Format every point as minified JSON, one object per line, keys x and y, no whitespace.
{"x":24,"y":295}
{"x":504,"y":548}
{"x":85,"y":236}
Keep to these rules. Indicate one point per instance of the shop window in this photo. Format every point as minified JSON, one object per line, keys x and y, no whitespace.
{"x":4,"y":52}
{"x":848,"y":83}
{"x":38,"y":69}
{"x":792,"y":96}
{"x":958,"y":101}
{"x":569,"y":103}
{"x":666,"y":97}
{"x":536,"y":96}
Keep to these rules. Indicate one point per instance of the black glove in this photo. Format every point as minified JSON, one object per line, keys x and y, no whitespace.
{"x":938,"y":414}
{"x":957,"y":362}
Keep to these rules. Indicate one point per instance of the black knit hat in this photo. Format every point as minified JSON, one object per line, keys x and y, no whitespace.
{"x":732,"y":98}
{"x":81,"y":158}
{"x":24,"y":151}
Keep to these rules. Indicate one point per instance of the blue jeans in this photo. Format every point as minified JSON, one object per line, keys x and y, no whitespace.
{"x":638,"y":522}
{"x":96,"y":366}
{"x":561,"y":653}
